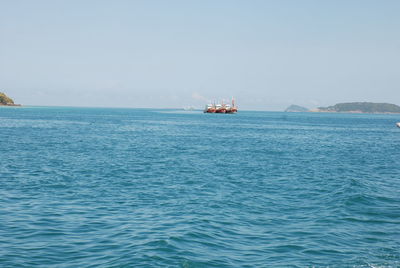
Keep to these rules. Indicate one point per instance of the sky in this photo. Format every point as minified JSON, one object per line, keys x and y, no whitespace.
{"x":173,"y":54}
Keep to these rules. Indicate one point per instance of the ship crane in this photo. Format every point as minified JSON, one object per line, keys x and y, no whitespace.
{"x":221,"y":107}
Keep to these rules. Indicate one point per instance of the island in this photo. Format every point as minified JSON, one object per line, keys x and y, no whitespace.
{"x":6,"y":101}
{"x":296,"y":109}
{"x":360,"y":107}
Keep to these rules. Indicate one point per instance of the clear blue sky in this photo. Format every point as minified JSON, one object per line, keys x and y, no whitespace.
{"x":268,"y":54}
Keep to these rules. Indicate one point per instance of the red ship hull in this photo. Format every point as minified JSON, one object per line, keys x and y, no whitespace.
{"x":210,"y":110}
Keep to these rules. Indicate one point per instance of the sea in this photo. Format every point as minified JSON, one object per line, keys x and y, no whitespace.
{"x":108,"y":187}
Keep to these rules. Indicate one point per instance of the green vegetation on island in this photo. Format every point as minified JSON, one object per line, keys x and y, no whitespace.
{"x":296,"y":108}
{"x":6,"y":101}
{"x":361,"y":107}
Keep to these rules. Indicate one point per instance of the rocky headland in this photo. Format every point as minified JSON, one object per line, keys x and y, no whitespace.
{"x":7,"y":101}
{"x":296,"y":109}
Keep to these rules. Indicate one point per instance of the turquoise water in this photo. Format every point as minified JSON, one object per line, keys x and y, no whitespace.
{"x":91,"y":187}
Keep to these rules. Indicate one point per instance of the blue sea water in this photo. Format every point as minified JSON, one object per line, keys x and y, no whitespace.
{"x":92,"y":187}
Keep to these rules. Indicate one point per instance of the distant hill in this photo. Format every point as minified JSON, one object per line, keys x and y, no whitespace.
{"x":5,"y":100}
{"x":361,"y":107}
{"x":296,"y":108}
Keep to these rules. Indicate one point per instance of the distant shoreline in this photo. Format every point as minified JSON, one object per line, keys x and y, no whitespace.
{"x":196,"y":110}
{"x":351,"y":112}
{"x":352,"y":108}
{"x":11,"y":105}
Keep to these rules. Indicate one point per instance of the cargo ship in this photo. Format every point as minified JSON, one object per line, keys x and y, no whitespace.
{"x":221,"y":108}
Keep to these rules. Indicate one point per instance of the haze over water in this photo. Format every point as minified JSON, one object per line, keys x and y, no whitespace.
{"x":91,"y":187}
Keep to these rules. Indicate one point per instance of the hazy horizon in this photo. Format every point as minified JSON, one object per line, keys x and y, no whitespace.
{"x":267,"y":54}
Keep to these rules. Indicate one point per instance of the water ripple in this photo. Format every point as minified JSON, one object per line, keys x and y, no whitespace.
{"x":139,"y":188}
